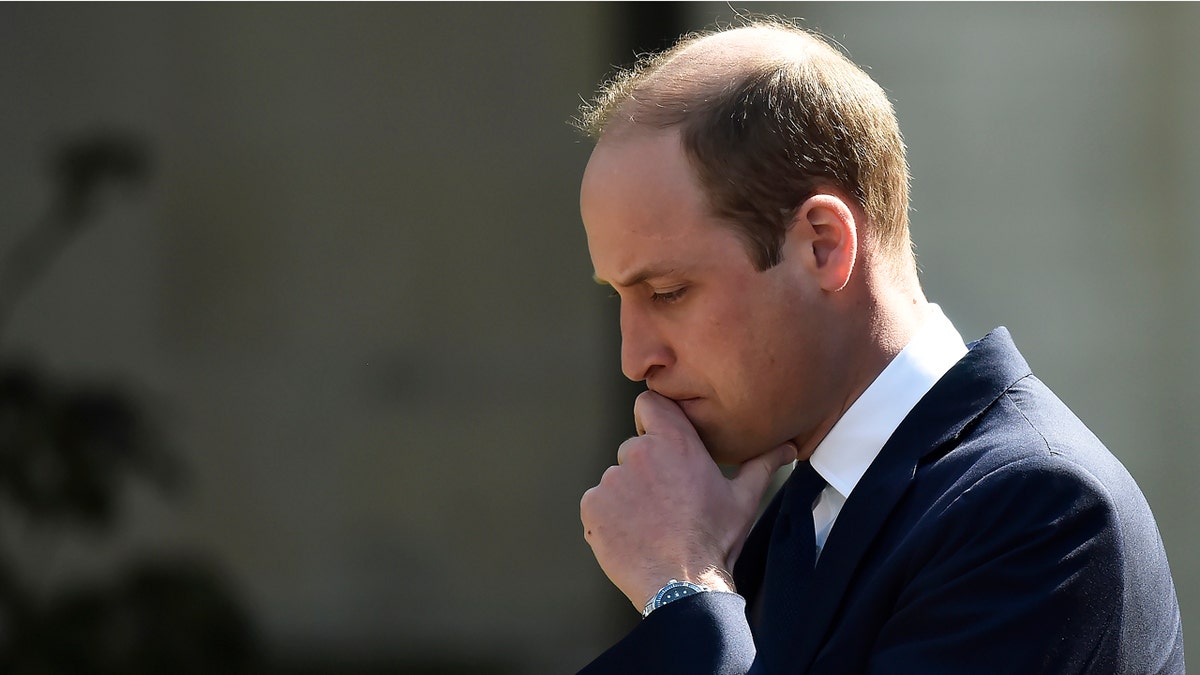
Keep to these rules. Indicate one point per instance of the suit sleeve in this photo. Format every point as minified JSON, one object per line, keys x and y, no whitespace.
{"x":703,"y":633}
{"x":1024,"y":576}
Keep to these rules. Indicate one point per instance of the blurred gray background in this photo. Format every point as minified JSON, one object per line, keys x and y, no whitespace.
{"x":355,"y":294}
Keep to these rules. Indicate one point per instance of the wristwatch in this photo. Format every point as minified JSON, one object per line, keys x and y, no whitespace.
{"x":673,"y":591}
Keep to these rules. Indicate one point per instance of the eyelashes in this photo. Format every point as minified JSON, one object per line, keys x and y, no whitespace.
{"x":669,"y":296}
{"x":666,"y":297}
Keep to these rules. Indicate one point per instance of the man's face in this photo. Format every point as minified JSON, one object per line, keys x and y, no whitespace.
{"x":744,"y":353}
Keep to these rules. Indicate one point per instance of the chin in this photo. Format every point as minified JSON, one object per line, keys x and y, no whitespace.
{"x":732,"y":448}
{"x":721,"y":450}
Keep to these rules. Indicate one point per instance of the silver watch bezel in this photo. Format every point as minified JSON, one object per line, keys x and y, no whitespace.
{"x":670,"y":593}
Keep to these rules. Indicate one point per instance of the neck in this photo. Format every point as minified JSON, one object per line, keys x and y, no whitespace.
{"x":886,"y":314}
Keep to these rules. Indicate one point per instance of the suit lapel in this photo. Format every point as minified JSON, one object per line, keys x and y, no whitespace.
{"x":974,"y":383}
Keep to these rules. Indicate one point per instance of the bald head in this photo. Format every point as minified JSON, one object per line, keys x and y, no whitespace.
{"x":769,"y":115}
{"x":661,"y":89}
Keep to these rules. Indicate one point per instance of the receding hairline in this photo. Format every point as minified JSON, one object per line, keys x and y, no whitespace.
{"x":702,"y":64}
{"x":767,"y":110}
{"x":743,"y":49}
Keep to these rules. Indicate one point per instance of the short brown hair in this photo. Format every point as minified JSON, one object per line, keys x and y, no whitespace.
{"x":766,"y":130}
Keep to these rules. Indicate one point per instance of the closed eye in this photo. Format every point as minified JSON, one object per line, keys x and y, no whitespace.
{"x":663,"y":297}
{"x":669,"y":296}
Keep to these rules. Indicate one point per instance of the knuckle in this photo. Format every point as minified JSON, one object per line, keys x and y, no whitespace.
{"x":628,"y":442}
{"x":609,"y":475}
{"x":588,"y":506}
{"x":590,"y":496}
{"x":627,"y":446}
{"x":634,"y":452}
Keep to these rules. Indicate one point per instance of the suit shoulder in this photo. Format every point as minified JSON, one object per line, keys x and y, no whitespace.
{"x":1030,"y":454}
{"x":1067,"y":445}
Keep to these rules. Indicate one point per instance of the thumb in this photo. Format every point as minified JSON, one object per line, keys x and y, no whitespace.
{"x":754,"y":475}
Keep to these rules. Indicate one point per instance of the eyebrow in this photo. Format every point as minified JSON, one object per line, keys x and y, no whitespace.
{"x":638,"y":277}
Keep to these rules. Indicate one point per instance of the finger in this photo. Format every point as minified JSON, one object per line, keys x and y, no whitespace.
{"x":754,"y":475}
{"x":654,"y":413}
{"x":624,"y":449}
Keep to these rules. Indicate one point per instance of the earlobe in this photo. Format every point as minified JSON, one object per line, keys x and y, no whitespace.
{"x":833,"y":228}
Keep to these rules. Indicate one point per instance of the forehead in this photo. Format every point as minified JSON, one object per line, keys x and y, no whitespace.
{"x":642,"y":207}
{"x":650,"y":168}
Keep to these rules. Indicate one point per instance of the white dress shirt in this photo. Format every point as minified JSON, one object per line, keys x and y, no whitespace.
{"x":856,"y":439}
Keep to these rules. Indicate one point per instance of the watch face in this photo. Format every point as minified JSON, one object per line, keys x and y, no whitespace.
{"x":674,"y":593}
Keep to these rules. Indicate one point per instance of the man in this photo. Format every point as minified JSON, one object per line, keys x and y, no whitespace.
{"x":747,"y":200}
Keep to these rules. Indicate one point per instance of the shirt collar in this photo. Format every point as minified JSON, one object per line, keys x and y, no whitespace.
{"x":860,"y":434}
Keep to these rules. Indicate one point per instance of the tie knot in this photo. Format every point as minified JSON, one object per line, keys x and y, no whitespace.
{"x":802,"y":488}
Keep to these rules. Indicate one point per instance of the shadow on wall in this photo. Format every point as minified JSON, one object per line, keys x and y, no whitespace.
{"x":70,"y":450}
{"x":67,"y":452}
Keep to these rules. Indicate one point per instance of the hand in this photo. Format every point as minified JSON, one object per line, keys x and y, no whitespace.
{"x":666,"y":511}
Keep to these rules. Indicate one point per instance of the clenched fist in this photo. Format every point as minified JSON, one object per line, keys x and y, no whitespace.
{"x":665,"y":511}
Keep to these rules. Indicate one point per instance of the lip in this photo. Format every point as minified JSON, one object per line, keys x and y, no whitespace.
{"x":676,"y":398}
{"x":680,"y":398}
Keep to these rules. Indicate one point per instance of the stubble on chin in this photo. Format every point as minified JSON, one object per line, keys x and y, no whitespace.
{"x":719,"y":448}
{"x":726,"y":446}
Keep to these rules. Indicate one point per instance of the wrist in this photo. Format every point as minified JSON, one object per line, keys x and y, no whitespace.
{"x":684,"y":583}
{"x":716,"y":579}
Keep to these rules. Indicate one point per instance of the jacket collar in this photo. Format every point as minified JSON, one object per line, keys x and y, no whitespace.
{"x":991,"y":366}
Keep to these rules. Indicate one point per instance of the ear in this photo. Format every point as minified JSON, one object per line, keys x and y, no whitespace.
{"x":831,"y":231}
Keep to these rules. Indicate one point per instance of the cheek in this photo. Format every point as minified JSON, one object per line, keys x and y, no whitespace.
{"x":743,"y":341}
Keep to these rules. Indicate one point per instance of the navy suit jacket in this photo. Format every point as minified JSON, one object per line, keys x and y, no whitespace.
{"x":993,"y":534}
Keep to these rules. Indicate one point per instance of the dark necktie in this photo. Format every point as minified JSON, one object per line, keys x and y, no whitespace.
{"x":791,"y":557}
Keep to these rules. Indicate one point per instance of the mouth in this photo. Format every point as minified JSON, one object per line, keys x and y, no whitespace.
{"x":687,"y":404}
{"x":678,"y":398}
{"x":681,"y":399}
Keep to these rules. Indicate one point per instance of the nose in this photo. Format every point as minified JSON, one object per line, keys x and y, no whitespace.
{"x":643,"y":349}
